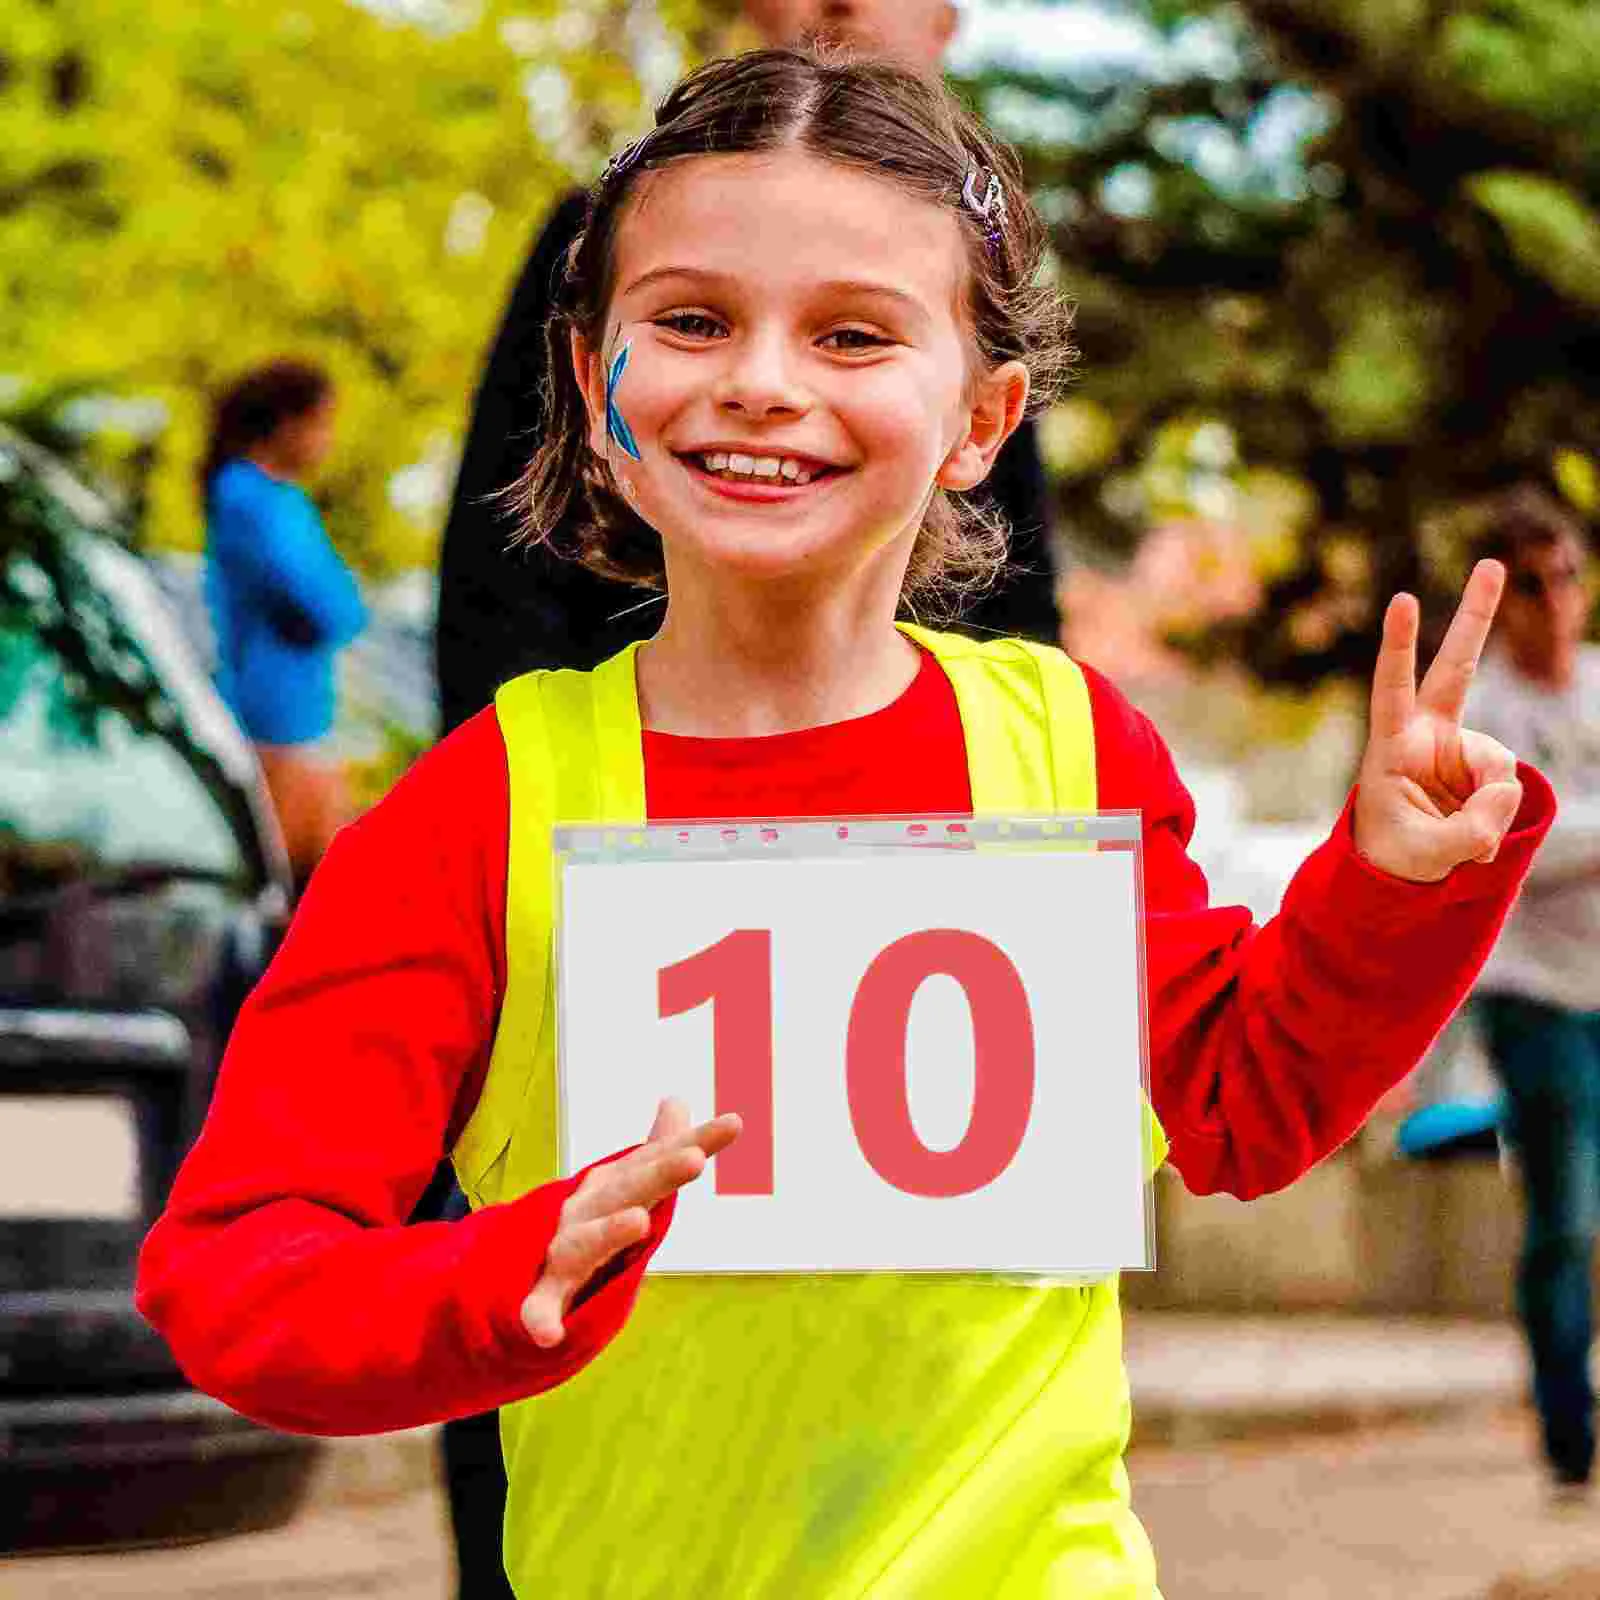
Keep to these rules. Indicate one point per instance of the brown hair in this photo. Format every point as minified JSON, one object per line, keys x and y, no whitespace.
{"x":1525,"y":517}
{"x":873,"y":117}
{"x":253,"y":408}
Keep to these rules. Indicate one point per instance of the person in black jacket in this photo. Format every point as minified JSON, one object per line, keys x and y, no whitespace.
{"x":504,"y":611}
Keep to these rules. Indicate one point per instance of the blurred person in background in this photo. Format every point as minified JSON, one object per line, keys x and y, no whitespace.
{"x":504,"y":612}
{"x":282,"y":602}
{"x":1539,"y":998}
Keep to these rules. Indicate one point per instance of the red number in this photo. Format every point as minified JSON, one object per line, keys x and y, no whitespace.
{"x":1002,"y":1042}
{"x":735,"y":975}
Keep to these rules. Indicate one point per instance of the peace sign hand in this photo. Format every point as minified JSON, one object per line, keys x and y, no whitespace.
{"x":610,"y":1211}
{"x":1432,"y":794}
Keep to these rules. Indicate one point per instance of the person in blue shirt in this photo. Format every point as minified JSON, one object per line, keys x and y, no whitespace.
{"x":282,"y":602}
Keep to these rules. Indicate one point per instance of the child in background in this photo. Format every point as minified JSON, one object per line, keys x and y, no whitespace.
{"x":282,"y":603}
{"x":803,"y":317}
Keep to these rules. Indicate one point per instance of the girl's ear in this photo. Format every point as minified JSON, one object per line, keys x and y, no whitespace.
{"x":588,"y":367}
{"x":992,"y":417}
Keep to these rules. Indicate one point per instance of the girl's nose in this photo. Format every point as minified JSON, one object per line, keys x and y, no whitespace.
{"x":758,"y":380}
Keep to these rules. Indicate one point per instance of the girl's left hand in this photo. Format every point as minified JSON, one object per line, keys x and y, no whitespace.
{"x":1432,"y":794}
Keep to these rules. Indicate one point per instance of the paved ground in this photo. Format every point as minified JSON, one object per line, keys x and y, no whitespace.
{"x":1198,"y":1378}
{"x":1446,"y":1511}
{"x":392,"y":1550}
{"x":1444,"y":1506}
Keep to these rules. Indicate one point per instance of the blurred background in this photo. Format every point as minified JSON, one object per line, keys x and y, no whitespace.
{"x":1337,"y":265}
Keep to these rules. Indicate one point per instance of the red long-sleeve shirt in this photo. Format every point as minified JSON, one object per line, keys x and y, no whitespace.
{"x":281,"y":1273}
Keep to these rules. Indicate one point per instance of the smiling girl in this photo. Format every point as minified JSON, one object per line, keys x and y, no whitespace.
{"x":804,"y":316}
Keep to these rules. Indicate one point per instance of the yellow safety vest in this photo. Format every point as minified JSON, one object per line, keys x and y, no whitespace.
{"x":802,"y":1438}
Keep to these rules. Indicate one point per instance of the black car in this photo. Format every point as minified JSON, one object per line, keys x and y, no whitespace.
{"x":142,"y":889}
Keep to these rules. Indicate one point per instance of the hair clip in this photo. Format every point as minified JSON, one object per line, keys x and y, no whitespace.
{"x":623,"y":159}
{"x":993,"y":204}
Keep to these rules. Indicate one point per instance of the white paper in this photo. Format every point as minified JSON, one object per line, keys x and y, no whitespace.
{"x":1072,"y":1200}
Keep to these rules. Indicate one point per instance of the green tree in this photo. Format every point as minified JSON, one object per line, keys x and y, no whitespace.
{"x":1362,"y":237}
{"x":187,"y":188}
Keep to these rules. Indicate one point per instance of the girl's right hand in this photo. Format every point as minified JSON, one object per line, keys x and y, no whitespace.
{"x":610,"y":1210}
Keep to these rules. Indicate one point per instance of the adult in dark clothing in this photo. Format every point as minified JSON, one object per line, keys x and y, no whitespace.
{"x":505,"y":611}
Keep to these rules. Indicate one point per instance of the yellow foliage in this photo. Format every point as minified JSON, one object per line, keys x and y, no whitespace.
{"x":1276,"y":510}
{"x":191,"y":188}
{"x":1077,"y":436}
{"x":1578,"y":479}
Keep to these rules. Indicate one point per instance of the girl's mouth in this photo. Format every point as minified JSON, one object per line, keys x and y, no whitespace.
{"x":757,"y":477}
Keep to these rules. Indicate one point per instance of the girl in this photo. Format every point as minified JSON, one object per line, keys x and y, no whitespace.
{"x":282,"y":603}
{"x":802,"y":319}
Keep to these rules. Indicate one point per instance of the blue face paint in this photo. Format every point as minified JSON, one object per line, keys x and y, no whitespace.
{"x":616,"y":424}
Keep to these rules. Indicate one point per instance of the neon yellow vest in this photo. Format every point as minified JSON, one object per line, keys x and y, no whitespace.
{"x":822,"y":1438}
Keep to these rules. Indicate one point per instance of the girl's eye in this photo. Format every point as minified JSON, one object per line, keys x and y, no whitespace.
{"x":692,"y":324}
{"x":855,"y":339}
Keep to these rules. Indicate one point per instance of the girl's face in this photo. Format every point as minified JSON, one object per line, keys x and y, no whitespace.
{"x":798,"y":375}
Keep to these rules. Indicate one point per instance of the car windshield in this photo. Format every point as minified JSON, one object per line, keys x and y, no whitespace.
{"x":114,"y":753}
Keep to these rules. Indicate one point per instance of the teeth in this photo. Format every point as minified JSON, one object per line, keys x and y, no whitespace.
{"x":737,"y":464}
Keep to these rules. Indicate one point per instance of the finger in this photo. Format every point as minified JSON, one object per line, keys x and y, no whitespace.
{"x":578,"y":1252}
{"x":1503,"y":800}
{"x":541,"y":1313}
{"x":715,"y":1136}
{"x":1444,"y":689}
{"x":1475,"y":832}
{"x":634,"y":1183}
{"x":1394,"y":678}
{"x":709,"y":1137}
{"x":672,"y":1118}
{"x":682,"y":1158}
{"x":1469,"y":760}
{"x":1486,"y":759}
{"x":581,"y":1248}
{"x":670,"y":1131}
{"x":618,"y":1183}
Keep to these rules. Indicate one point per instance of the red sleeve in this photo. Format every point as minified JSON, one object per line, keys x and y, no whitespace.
{"x":1269,"y":1046}
{"x":282,"y":1274}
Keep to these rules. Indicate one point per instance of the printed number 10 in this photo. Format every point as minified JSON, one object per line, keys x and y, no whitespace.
{"x":735,"y":977}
